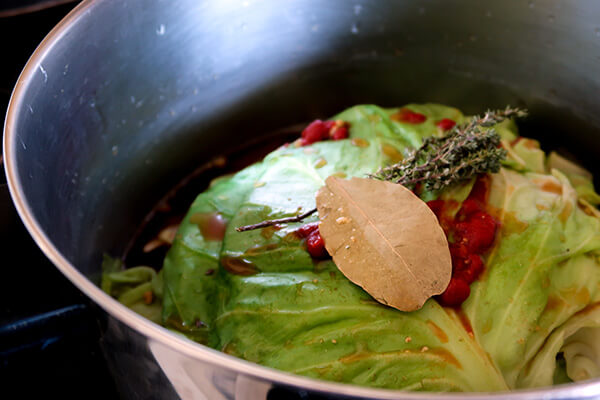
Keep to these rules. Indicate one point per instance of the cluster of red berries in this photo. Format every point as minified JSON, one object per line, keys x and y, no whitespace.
{"x":410,"y":117}
{"x":314,"y":242}
{"x":472,"y":231}
{"x":319,"y":130}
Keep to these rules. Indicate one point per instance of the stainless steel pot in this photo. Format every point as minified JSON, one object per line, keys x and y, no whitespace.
{"x":123,"y":98}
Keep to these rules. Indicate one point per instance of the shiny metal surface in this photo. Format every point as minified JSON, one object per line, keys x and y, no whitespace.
{"x":124,"y":98}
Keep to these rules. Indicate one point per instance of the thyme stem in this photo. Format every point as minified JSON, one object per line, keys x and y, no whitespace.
{"x":264,"y":224}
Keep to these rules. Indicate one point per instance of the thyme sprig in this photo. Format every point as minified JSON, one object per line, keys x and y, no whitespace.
{"x":271,"y":222}
{"x":467,"y":150}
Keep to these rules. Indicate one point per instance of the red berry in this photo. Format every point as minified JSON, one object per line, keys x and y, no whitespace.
{"x":338,"y":129}
{"x":436,"y":206}
{"x":408,"y":116}
{"x":314,"y":132}
{"x":307,"y":229}
{"x":316,"y":245}
{"x":480,"y":190}
{"x":329,"y":125}
{"x":446,"y":124}
{"x":476,"y":233}
{"x":472,"y":267}
{"x":458,"y":251}
{"x":340,"y":133}
{"x":457,"y":291}
{"x":468,"y":208}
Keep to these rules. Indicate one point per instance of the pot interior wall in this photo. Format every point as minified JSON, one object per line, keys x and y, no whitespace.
{"x":134,"y":95}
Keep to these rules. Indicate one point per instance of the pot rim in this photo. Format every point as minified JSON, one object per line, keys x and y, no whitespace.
{"x":162,"y":335}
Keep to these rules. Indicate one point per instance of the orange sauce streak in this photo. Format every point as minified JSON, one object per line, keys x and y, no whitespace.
{"x":553,"y":303}
{"x":566,"y":212}
{"x":252,"y":251}
{"x":392,"y":153}
{"x":437,"y":331}
{"x":359,"y":142}
{"x":552,"y":187}
{"x":464,"y":320}
{"x":238,"y":266}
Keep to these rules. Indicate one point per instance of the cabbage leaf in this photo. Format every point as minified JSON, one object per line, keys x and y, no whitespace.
{"x":258,"y":295}
{"x":521,"y":299}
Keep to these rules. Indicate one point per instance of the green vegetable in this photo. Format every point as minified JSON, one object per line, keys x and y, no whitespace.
{"x":576,"y":343}
{"x":529,"y":156}
{"x":580,"y":178}
{"x":532,"y":284}
{"x":302,"y":316}
{"x":531,"y":319}
{"x":130,"y":286}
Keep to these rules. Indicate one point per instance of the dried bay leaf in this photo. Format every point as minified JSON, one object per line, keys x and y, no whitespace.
{"x":385,"y":239}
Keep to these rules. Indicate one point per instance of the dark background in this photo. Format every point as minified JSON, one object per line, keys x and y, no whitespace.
{"x":49,"y":337}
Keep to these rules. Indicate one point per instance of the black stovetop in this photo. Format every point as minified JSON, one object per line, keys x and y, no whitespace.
{"x":49,"y":339}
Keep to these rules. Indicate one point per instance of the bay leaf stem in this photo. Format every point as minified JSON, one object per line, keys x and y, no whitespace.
{"x":271,"y":222}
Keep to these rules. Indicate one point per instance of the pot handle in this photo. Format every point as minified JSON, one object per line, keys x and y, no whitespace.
{"x":247,"y":388}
